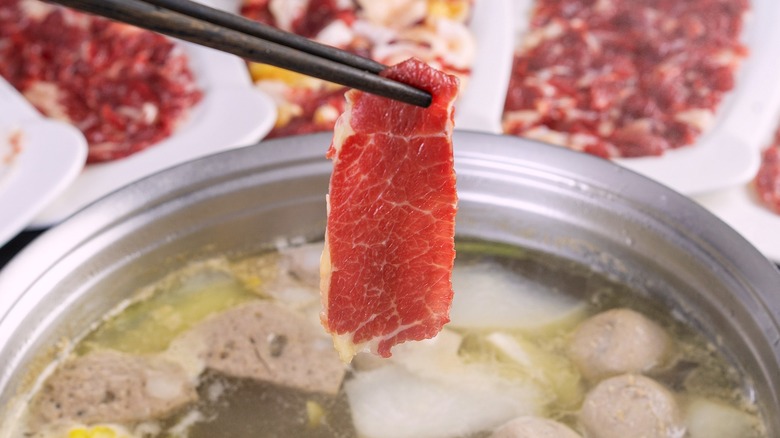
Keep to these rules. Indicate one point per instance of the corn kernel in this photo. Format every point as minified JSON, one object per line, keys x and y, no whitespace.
{"x":94,"y":432}
{"x":102,"y":432}
{"x":252,"y":282}
{"x":265,"y":72}
{"x":315,"y":413}
{"x":456,"y":10}
{"x":78,"y":433}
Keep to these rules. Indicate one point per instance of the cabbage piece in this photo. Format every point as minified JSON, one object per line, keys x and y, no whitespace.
{"x":488,"y":295}
{"x":712,"y":419}
{"x":392,"y":402}
{"x":556,"y":373}
{"x":435,"y":357}
{"x":427,"y":390}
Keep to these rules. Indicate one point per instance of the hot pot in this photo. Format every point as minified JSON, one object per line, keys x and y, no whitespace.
{"x":511,"y":190}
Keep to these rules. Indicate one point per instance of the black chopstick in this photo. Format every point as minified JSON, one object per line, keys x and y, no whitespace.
{"x":269,"y":33}
{"x":246,"y":40}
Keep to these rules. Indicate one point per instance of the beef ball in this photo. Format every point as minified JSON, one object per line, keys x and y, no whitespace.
{"x":618,"y":341}
{"x":631,"y":405}
{"x":534,"y":427}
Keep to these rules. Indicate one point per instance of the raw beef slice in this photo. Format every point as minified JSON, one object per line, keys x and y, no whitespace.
{"x":389,"y":244}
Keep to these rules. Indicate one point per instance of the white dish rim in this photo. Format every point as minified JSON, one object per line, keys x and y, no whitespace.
{"x":39,"y":172}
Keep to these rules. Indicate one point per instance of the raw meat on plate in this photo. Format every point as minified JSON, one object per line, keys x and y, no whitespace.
{"x":125,"y":88}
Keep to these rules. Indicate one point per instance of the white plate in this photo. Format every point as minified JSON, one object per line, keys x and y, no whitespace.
{"x":51,"y":156}
{"x":740,"y":208}
{"x":480,"y":106}
{"x":727,"y":155}
{"x":232,"y":113}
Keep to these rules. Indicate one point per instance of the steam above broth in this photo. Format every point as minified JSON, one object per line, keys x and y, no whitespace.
{"x":242,"y":340}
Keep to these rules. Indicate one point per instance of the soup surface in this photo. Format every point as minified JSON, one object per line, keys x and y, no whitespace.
{"x":234,"y":348}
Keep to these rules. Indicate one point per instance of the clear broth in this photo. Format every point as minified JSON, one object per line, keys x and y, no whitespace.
{"x":231,"y":407}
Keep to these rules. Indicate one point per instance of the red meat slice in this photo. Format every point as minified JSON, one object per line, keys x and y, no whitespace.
{"x":389,"y":245}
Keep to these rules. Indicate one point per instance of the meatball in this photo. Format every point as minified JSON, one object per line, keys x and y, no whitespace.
{"x":618,"y":341}
{"x":534,"y":427}
{"x":631,"y":406}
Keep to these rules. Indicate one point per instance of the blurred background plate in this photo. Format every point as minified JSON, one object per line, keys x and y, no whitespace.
{"x":232,"y":114}
{"x":480,"y":106}
{"x":729,"y":154}
{"x":38,"y":172}
{"x":740,"y":208}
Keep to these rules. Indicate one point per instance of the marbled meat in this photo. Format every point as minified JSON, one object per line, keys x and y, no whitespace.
{"x":624,"y":78}
{"x":389,"y":245}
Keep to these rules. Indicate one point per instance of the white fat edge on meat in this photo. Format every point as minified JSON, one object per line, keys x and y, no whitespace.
{"x":36,"y":9}
{"x":343,"y":343}
{"x":700,"y":118}
{"x":535,"y":37}
{"x":126,"y":30}
{"x":396,"y":52}
{"x":604,"y":6}
{"x":326,"y":114}
{"x":459,"y":43}
{"x":286,"y":11}
{"x":46,"y":96}
{"x":277,"y":90}
{"x":727,"y":58}
{"x":337,"y":34}
{"x":545,"y":134}
{"x":524,"y":118}
{"x":376,"y":34}
{"x":394,"y":13}
{"x":146,"y":114}
{"x":348,"y":349}
{"x":423,"y":36}
{"x":444,"y":43}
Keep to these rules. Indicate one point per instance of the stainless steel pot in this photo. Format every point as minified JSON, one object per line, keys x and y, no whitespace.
{"x":515,"y":191}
